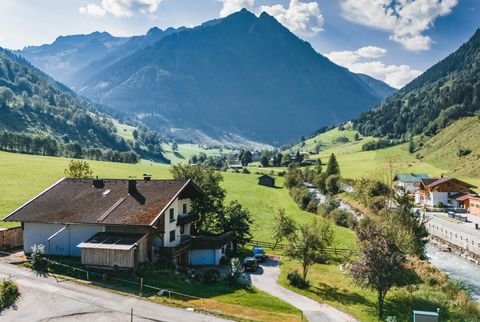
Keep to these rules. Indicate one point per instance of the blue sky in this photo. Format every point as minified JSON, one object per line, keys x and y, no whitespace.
{"x":392,"y":40}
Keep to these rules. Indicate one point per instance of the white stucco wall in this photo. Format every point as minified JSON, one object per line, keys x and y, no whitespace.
{"x":177,"y":206}
{"x":64,"y":244}
{"x":435,"y":197}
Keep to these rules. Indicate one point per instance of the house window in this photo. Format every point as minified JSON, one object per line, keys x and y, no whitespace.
{"x":184,"y":208}
{"x":172,"y":236}
{"x":172,"y":215}
{"x":182,"y":229}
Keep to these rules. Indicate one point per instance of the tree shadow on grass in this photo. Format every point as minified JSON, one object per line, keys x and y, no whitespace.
{"x":402,"y":306}
{"x":178,"y":155}
{"x":345,"y":297}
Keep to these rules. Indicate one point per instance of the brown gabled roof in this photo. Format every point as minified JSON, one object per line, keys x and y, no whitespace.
{"x":104,"y":202}
{"x":429,"y":183}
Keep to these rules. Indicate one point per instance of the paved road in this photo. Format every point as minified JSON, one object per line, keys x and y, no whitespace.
{"x":46,"y":299}
{"x":266,"y":280}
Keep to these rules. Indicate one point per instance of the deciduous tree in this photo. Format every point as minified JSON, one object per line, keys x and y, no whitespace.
{"x":78,"y":169}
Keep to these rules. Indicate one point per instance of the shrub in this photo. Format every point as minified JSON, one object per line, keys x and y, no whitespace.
{"x":439,"y":204}
{"x":211,"y":275}
{"x":343,"y":218}
{"x":8,"y":293}
{"x":296,"y":280}
{"x":341,"y":139}
{"x":37,"y":259}
{"x":463,"y":152}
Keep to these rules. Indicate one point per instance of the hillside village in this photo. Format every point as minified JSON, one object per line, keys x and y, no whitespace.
{"x":234,"y":169}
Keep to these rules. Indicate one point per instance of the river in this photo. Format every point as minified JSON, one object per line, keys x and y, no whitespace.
{"x":457,"y":268}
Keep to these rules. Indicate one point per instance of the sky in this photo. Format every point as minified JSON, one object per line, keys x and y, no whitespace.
{"x":391,"y":40}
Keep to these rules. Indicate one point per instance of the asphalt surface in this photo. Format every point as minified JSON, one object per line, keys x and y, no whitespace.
{"x":47,"y":299}
{"x":265,"y":279}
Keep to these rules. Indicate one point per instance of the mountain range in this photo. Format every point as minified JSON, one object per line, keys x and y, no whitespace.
{"x":241,"y":75}
{"x":446,"y":92}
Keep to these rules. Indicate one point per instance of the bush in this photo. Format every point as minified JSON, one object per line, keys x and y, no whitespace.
{"x":296,"y":280}
{"x":211,"y":275}
{"x":463,"y":152}
{"x":439,"y":204}
{"x":245,"y":170}
{"x":343,"y":218}
{"x":37,"y":259}
{"x":8,"y":293}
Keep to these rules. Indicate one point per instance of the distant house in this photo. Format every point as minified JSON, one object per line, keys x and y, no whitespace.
{"x":443,"y":190}
{"x":266,"y":180}
{"x":408,"y":182}
{"x":474,"y":205}
{"x":119,"y":223}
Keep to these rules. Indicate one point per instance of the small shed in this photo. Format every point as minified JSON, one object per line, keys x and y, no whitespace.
{"x":114,"y":250}
{"x":266,"y":180}
{"x":425,"y":316}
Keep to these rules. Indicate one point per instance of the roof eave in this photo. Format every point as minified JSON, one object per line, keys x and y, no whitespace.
{"x":31,"y":200}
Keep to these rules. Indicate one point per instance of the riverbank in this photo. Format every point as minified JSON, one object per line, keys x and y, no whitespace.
{"x":458,"y":268}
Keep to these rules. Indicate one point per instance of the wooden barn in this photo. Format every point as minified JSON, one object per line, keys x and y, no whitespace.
{"x":266,"y":180}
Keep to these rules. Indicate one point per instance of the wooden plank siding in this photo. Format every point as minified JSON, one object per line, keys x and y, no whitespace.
{"x":10,"y":238}
{"x":100,"y":257}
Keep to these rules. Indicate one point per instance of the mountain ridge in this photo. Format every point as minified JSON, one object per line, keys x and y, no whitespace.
{"x":254,"y":63}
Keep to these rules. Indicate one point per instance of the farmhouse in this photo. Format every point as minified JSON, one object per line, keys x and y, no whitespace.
{"x":408,"y":182}
{"x":266,"y":180}
{"x":447,"y":191}
{"x":118,"y":222}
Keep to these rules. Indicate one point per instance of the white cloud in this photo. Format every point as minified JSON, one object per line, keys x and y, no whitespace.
{"x":362,"y":61}
{"x":302,"y":18}
{"x":231,"y":6}
{"x":121,"y":8}
{"x":371,"y":52}
{"x":92,"y":10}
{"x":405,"y":20}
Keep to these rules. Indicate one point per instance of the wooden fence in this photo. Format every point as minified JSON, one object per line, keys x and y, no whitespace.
{"x":328,"y":250}
{"x":11,"y":237}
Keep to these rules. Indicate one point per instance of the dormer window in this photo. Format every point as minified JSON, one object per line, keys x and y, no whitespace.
{"x":172,"y":214}
{"x":184,"y":208}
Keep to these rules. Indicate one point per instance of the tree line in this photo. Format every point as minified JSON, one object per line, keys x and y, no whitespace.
{"x":49,"y":146}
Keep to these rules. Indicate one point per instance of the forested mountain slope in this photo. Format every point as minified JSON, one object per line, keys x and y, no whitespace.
{"x":446,"y":92}
{"x":40,"y":116}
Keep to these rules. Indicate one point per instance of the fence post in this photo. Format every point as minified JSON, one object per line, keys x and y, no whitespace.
{"x":141,"y":286}
{"x":88,"y":277}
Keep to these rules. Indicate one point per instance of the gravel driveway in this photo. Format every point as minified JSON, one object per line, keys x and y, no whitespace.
{"x":265,"y":279}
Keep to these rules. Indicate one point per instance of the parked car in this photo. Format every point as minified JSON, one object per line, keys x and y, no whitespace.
{"x":250,"y":264}
{"x":258,"y":253}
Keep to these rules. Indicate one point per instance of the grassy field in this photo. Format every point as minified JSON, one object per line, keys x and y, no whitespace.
{"x":439,"y":154}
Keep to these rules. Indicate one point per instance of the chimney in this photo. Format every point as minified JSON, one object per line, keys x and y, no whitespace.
{"x":132,"y":187}
{"x":147,"y":176}
{"x":98,"y":183}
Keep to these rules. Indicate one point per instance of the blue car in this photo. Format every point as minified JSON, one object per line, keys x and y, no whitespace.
{"x":258,"y":253}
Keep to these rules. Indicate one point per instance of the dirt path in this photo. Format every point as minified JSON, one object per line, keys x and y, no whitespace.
{"x":265,"y":279}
